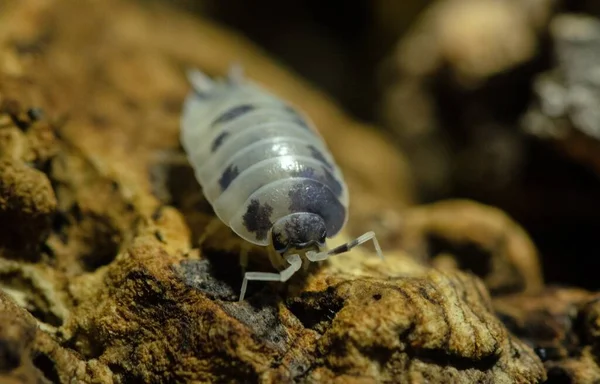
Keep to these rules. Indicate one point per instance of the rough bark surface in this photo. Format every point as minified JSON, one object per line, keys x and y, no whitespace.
{"x":102,"y":277}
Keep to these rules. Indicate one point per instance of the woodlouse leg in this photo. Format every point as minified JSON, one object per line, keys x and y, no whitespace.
{"x":211,"y":228}
{"x":245,"y":249}
{"x":314,"y":256}
{"x":275,"y":258}
{"x":295,"y":264}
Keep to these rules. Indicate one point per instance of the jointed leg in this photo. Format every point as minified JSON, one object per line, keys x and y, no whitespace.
{"x":363,"y":239}
{"x":277,"y":261}
{"x":245,"y":249}
{"x":313,"y":256}
{"x":211,"y":228}
{"x":295,"y":264}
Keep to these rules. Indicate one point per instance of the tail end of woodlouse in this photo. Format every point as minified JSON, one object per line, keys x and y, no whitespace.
{"x":200,"y":81}
{"x":236,"y":73}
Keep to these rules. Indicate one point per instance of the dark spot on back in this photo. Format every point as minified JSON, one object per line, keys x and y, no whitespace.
{"x":232,"y":113}
{"x":328,"y":179}
{"x":317,"y":155}
{"x":332,"y":182}
{"x":315,"y":197}
{"x":219,"y":140}
{"x":308,"y":173}
{"x":230,"y":173}
{"x":257,"y":219}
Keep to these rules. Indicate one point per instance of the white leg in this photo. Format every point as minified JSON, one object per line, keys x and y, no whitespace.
{"x":245,"y":249}
{"x":295,"y":264}
{"x":211,"y":228}
{"x":277,"y":261}
{"x":314,"y":256}
{"x":370,"y":236}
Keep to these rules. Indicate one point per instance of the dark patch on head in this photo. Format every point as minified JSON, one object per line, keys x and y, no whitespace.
{"x":232,"y":114}
{"x":314,"y":197}
{"x":299,"y":230}
{"x":316,"y":310}
{"x":230,"y":173}
{"x":257,"y":219}
{"x":218,"y":141}
{"x":317,"y":155}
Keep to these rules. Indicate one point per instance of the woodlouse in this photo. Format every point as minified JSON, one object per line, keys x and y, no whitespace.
{"x":266,"y":172}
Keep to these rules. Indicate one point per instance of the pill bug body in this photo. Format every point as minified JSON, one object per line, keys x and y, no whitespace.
{"x":258,"y":160}
{"x":263,"y":167}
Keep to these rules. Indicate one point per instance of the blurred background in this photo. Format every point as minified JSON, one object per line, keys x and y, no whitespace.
{"x":493,"y":100}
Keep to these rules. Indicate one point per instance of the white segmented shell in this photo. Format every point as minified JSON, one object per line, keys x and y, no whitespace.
{"x":257,"y":159}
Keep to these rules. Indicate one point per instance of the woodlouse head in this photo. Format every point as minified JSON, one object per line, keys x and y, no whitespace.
{"x":298,"y":231}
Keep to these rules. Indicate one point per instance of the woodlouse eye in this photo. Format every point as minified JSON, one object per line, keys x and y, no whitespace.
{"x":279,"y":245}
